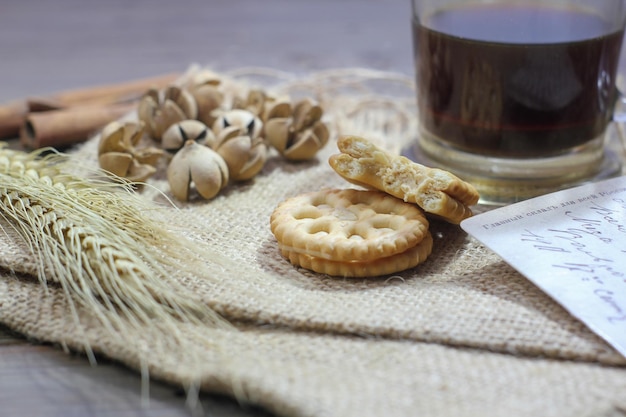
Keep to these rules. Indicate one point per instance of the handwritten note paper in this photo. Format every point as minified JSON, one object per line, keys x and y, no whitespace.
{"x":572,"y":245}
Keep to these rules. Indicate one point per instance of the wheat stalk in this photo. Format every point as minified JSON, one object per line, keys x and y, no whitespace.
{"x":91,"y":236}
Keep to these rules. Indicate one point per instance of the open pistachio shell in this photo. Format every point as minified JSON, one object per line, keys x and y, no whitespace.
{"x":320,"y":130}
{"x":133,"y":131}
{"x":138,"y":172}
{"x":254,"y":102}
{"x":196,"y":165}
{"x":208,"y":98}
{"x":226,"y":134}
{"x":253,"y":166}
{"x":277,"y":109}
{"x":277,"y":132}
{"x":244,"y":156}
{"x":247,"y":122}
{"x":183,"y":100}
{"x":147,"y":105}
{"x":168,"y":114}
{"x":296,"y":145}
{"x":116,"y":163}
{"x":149,"y":155}
{"x":177,"y":134}
{"x":158,"y":113}
{"x":111,"y":138}
{"x":117,"y":152}
{"x":147,"y":108}
{"x":305,"y":114}
{"x":305,"y":147}
{"x":120,"y":137}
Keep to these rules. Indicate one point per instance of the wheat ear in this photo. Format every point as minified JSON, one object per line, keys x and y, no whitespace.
{"x":91,"y":236}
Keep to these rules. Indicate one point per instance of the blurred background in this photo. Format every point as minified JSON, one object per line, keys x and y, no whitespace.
{"x":47,"y":46}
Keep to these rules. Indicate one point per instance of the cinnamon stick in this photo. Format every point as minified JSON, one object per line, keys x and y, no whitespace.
{"x":11,"y":118}
{"x":112,"y":93}
{"x":14,"y":114}
{"x":64,"y":127}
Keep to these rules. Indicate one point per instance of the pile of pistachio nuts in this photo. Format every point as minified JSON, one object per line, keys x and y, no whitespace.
{"x":209,"y":141}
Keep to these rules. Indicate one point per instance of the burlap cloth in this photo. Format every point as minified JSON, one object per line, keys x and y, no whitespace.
{"x":462,"y":334}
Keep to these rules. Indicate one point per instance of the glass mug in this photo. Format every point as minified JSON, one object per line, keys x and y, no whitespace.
{"x":517,"y":96}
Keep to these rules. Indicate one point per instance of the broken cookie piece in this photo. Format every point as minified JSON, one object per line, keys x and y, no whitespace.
{"x":437,"y":192}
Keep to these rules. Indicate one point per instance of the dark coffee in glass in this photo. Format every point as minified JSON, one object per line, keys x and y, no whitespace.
{"x":516,"y":80}
{"x":516,"y":90}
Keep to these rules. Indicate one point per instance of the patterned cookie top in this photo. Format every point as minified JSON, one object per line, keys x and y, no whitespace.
{"x":347,"y":225}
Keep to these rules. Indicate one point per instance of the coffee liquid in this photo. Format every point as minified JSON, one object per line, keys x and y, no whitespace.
{"x":515,"y":81}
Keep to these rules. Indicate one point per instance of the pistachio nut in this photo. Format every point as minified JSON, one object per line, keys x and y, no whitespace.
{"x":177,"y":134}
{"x":299,"y":136}
{"x":120,"y":154}
{"x":244,"y":155}
{"x":277,"y":109}
{"x":196,"y":166}
{"x":263,"y":106}
{"x":239,"y":141}
{"x":254,"y":102}
{"x":205,"y":89}
{"x":244,"y":120}
{"x":161,"y":109}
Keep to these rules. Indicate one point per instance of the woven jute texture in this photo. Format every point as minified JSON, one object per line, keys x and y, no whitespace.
{"x":461,"y":334}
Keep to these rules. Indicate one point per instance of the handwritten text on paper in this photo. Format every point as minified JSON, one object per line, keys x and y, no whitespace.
{"x":572,"y":245}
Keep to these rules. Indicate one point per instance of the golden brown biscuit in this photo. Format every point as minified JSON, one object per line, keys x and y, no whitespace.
{"x":359,"y":269}
{"x":347,"y":225}
{"x":438,"y":192}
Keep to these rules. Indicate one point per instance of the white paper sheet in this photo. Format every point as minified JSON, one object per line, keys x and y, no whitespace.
{"x":572,"y":245}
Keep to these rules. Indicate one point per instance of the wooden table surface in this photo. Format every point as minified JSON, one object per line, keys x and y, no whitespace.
{"x":51,"y":46}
